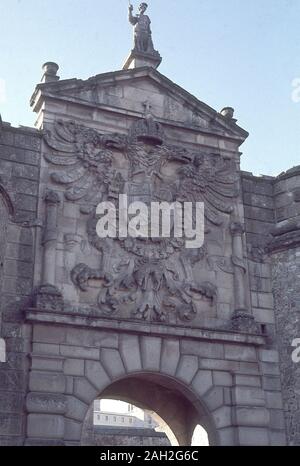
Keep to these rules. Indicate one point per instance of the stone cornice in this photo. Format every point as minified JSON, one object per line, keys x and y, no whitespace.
{"x":75,"y":320}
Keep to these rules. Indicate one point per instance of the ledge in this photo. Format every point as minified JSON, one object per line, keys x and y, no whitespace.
{"x":144,"y":328}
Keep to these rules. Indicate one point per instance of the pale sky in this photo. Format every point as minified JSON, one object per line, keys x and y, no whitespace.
{"x":238,"y":53}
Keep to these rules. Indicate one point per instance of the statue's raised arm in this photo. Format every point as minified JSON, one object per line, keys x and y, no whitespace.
{"x":132,"y":19}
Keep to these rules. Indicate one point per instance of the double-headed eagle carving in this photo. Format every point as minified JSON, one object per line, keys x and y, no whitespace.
{"x":151,"y":278}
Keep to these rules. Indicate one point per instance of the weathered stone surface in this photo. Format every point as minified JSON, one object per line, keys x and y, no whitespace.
{"x":112,"y":362}
{"x":253,"y":436}
{"x":240,"y":353}
{"x":10,"y":424}
{"x":202,"y":382}
{"x":76,"y":409}
{"x":45,"y":425}
{"x":187,"y":368}
{"x":130,"y":351}
{"x":248,"y":396}
{"x":72,"y":430}
{"x":97,"y":375}
{"x":170,"y":356}
{"x":150,"y":350}
{"x":74,"y":367}
{"x":252,"y":417}
{"x":84,"y":390}
{"x":46,"y":403}
{"x":223,"y":417}
{"x":47,"y":382}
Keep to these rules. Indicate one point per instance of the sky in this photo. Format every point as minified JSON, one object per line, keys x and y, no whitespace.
{"x":239,"y":53}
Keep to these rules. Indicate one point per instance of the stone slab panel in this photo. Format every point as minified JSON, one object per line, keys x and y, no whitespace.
{"x":74,"y":367}
{"x":252,"y":417}
{"x":130,"y":351}
{"x":151,"y":351}
{"x":187,"y":368}
{"x":253,"y":436}
{"x":47,"y":382}
{"x":97,"y":375}
{"x":240,"y":353}
{"x":170,"y":356}
{"x":248,"y":396}
{"x":202,"y":382}
{"x":84,"y":390}
{"x":112,"y":362}
{"x":45,"y":425}
{"x":76,"y":409}
{"x":46,"y":403}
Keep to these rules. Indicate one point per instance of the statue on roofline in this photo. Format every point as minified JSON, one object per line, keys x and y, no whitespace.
{"x":142,"y":31}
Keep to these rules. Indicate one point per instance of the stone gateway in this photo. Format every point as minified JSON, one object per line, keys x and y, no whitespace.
{"x":201,"y":336}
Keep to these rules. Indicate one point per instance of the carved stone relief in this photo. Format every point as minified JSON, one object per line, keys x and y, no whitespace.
{"x":151,"y":279}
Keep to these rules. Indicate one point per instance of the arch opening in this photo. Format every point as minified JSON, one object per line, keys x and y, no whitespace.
{"x":173,"y":408}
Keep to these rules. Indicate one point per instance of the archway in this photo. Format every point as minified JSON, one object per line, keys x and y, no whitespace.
{"x":167,"y":400}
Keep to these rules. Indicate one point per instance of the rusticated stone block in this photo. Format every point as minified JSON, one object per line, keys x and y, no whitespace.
{"x":74,"y":367}
{"x":151,"y":349}
{"x":84,"y":390}
{"x":252,"y":417}
{"x":170,"y":355}
{"x":72,"y":430}
{"x":97,"y":375}
{"x":76,"y":409}
{"x":130,"y":351}
{"x":223,"y":417}
{"x":240,"y":353}
{"x":46,"y":403}
{"x":45,"y":425}
{"x":253,"y":436}
{"x":112,"y":362}
{"x":47,"y":382}
{"x":214,"y":398}
{"x":187,"y":368}
{"x":248,"y":396}
{"x":202,"y":382}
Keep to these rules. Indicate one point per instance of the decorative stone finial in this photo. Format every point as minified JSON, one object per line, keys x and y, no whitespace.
{"x":50,"y":70}
{"x":228,"y":113}
{"x":143,"y":53}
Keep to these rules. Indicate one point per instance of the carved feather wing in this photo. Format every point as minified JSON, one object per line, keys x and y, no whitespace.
{"x":83,"y":159}
{"x":212,"y":180}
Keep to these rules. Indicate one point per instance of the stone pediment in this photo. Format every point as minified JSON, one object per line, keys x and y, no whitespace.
{"x":132,"y":90}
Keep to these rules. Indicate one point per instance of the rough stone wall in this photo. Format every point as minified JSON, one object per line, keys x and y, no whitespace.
{"x":286,"y":285}
{"x":259,"y":220}
{"x":285,"y":254}
{"x":19,"y":178}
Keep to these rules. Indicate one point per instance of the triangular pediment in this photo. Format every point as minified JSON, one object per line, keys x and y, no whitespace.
{"x":136,"y":89}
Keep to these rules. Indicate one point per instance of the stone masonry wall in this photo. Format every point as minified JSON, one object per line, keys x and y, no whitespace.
{"x":19,"y":179}
{"x":259,"y":224}
{"x":286,"y":285}
{"x":285,"y":254}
